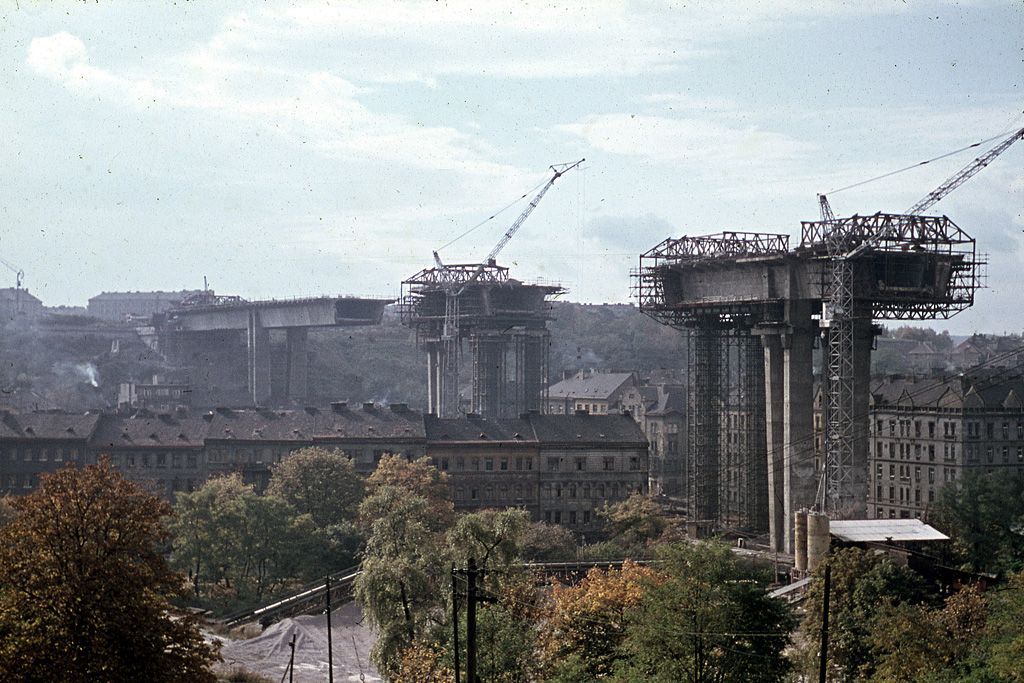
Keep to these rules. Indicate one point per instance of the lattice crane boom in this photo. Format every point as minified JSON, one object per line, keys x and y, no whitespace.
{"x":19,"y":274}
{"x":964,"y":174}
{"x":560,"y":170}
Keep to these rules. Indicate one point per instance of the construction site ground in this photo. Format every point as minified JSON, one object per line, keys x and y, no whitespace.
{"x":267,"y":654}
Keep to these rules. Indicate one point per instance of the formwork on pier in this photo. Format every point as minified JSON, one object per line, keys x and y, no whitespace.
{"x":502,"y":320}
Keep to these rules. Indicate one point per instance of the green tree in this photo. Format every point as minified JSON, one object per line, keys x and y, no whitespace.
{"x":865,"y":586}
{"x":241,"y":543}
{"x":709,"y":620}
{"x":319,"y":482}
{"x":914,"y":641}
{"x":418,"y":477}
{"x":494,"y":538}
{"x":634,"y":524}
{"x":983,"y":515}
{"x":404,"y":573}
{"x":548,"y":543}
{"x":85,"y":588}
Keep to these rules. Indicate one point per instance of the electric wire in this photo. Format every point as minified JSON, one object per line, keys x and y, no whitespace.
{"x":495,"y":215}
{"x":920,"y":163}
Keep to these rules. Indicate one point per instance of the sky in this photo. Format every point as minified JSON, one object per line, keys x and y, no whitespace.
{"x":296,"y":148}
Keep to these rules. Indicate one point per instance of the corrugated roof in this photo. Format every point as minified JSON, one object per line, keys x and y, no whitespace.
{"x":884,"y":530}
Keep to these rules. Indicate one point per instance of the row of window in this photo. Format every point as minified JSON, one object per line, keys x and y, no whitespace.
{"x":38,"y":453}
{"x":975,"y":428}
{"x":570,"y":517}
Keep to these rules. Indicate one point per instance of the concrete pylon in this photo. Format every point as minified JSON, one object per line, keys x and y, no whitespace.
{"x":297,"y":359}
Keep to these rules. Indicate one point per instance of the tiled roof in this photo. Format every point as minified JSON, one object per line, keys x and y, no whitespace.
{"x":479,"y":429}
{"x":148,"y":430}
{"x":48,"y":425}
{"x":608,"y":429}
{"x":601,"y":386}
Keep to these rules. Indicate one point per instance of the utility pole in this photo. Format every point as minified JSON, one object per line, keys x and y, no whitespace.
{"x":291,"y":658}
{"x":330,"y":653}
{"x":822,"y":670}
{"x":455,"y":622}
{"x":471,"y":621}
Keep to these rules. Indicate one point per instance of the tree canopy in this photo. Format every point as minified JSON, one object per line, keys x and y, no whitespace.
{"x":319,"y":482}
{"x":86,"y":588}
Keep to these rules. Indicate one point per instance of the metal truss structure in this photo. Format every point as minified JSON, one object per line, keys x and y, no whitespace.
{"x":883,"y":266}
{"x":656,"y":265}
{"x":503,"y":320}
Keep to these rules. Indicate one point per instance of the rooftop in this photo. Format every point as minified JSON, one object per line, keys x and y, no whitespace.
{"x":884,"y":530}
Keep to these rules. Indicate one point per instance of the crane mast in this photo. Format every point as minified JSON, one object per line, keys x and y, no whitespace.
{"x":838,"y":320}
{"x":454,"y":287}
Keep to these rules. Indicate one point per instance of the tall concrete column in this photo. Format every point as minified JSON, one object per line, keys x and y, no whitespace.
{"x":297,"y":359}
{"x":775,"y":433}
{"x":258,"y":347}
{"x":488,"y":374}
{"x":799,"y":478}
{"x":863,"y":339}
{"x":704,"y":412}
{"x":789,"y":417}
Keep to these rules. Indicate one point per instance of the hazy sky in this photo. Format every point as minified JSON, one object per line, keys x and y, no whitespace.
{"x":327,"y":147}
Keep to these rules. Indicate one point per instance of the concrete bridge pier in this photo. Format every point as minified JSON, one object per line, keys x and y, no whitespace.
{"x":297,"y":368}
{"x":258,"y":348}
{"x":789,"y":393}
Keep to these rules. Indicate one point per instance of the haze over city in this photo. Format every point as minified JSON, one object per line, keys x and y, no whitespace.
{"x":284,"y":149}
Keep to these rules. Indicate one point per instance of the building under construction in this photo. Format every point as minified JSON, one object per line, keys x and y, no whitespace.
{"x":750,"y":460}
{"x":500,"y":321}
{"x":753,"y":309}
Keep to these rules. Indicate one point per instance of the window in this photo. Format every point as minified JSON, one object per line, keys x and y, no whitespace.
{"x":608,"y":464}
{"x":586,"y":516}
{"x":472,"y":494}
{"x":581,"y":464}
{"x":931,"y":430}
{"x":634,"y":463}
{"x":1006,"y":430}
{"x":558,"y":516}
{"x":572,"y":490}
{"x":503,"y":464}
{"x":489,"y":464}
{"x":547,"y":516}
{"x":460,"y":463}
{"x":552,"y":464}
{"x":161,"y":460}
{"x":572,"y":516}
{"x":444,"y":464}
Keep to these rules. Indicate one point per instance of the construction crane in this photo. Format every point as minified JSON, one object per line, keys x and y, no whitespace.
{"x":838,"y":319}
{"x":19,"y":274}
{"x":454,"y":282}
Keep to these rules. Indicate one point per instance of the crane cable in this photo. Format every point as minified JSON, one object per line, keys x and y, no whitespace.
{"x":922,"y":163}
{"x":496,"y":214}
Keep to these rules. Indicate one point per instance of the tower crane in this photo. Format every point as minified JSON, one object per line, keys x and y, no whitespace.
{"x":454,"y":283}
{"x":838,"y":319}
{"x":19,"y":274}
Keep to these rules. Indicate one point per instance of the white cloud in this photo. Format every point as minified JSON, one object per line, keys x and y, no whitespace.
{"x":675,"y":139}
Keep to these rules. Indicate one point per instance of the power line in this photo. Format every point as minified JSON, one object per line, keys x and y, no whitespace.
{"x":920,"y":163}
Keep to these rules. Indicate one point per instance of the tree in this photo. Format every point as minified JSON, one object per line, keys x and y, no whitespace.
{"x":633,"y":524}
{"x":548,"y":543}
{"x":7,"y":511}
{"x":226,"y":535}
{"x":491,"y":537}
{"x":404,"y":574}
{"x":709,"y":620}
{"x":983,"y":515}
{"x":864,"y":586}
{"x":85,"y":590}
{"x":418,"y":477}
{"x":586,"y":623}
{"x":913,"y":641}
{"x":319,"y":482}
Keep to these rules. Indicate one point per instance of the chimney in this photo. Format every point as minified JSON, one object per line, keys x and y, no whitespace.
{"x":339,"y":406}
{"x":399,"y":407}
{"x":368,"y":406}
